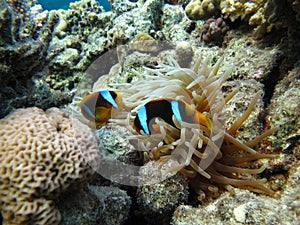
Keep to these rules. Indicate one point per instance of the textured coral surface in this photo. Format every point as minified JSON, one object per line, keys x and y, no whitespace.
{"x":42,"y":154}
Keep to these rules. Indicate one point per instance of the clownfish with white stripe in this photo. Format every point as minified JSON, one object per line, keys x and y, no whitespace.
{"x":100,"y":106}
{"x":166,"y":108}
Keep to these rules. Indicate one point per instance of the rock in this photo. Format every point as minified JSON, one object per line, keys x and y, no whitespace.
{"x":95,"y":205}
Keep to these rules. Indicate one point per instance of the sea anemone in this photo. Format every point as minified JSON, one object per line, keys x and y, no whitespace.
{"x":210,"y":158}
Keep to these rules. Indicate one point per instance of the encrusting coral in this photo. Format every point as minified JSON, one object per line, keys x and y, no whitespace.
{"x":42,"y":154}
{"x":210,"y":158}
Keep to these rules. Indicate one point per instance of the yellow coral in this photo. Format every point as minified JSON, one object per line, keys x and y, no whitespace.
{"x":197,"y":10}
{"x":251,"y":11}
{"x":41,"y":154}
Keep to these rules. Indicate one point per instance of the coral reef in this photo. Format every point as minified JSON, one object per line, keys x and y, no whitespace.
{"x":252,"y":11}
{"x":247,"y":90}
{"x":263,"y":15}
{"x":214,"y":31}
{"x":247,"y":60}
{"x":244,"y":207}
{"x":158,"y":200}
{"x":94,"y":205}
{"x":46,"y":56}
{"x":79,"y":37}
{"x":42,"y":155}
{"x":138,"y":20}
{"x":23,"y":50}
{"x":175,"y":24}
{"x":198,"y":10}
{"x":284,"y":112}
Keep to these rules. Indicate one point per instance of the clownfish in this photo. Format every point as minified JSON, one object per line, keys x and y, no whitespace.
{"x":166,"y":108}
{"x":98,"y":107}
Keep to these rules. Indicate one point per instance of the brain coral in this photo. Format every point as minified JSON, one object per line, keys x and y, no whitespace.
{"x":41,"y":154}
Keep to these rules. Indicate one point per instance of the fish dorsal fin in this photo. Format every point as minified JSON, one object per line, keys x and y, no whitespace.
{"x":176,"y":110}
{"x":142,"y":115}
{"x":107,"y":96}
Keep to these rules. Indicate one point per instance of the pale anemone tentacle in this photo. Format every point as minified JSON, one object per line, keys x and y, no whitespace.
{"x":187,"y":147}
{"x":237,"y":124}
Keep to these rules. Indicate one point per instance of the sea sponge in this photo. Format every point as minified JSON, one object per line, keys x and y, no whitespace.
{"x":42,"y":154}
{"x":198,"y":10}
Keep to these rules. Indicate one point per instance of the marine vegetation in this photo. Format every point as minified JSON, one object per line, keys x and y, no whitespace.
{"x":159,"y":111}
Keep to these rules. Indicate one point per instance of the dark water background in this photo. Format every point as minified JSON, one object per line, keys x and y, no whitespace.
{"x":64,"y":4}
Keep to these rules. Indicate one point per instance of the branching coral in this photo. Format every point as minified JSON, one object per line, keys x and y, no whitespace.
{"x":42,"y":154}
{"x":211,"y":158}
{"x":24,"y":41}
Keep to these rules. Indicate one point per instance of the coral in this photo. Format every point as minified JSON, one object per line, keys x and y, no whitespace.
{"x":116,"y":204}
{"x":42,"y":154}
{"x":120,"y":6}
{"x":243,"y":207}
{"x":107,"y":204}
{"x":142,"y":19}
{"x":42,"y":63}
{"x":84,"y":18}
{"x":263,"y":15}
{"x":284,"y":112}
{"x":83,"y":27}
{"x":159,"y":200}
{"x":198,"y":10}
{"x":185,"y":52}
{"x":113,"y":141}
{"x":214,"y":31}
{"x":28,"y":18}
{"x":65,"y":63}
{"x":175,"y":23}
{"x":22,"y":53}
{"x":144,"y":43}
{"x":249,"y":61}
{"x":245,"y":10}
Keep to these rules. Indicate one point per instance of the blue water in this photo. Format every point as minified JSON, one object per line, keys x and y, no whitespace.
{"x":64,"y":4}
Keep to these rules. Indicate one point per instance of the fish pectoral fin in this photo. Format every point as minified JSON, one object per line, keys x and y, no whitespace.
{"x":205,"y":120}
{"x":103,"y":113}
{"x":155,"y":129}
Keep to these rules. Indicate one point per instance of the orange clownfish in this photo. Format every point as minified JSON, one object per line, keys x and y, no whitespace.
{"x":166,"y":108}
{"x":98,"y":107}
